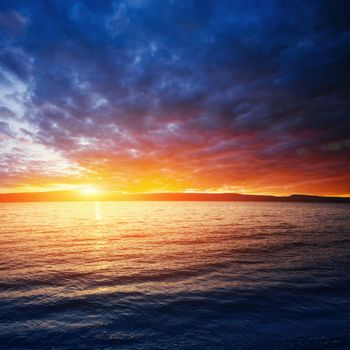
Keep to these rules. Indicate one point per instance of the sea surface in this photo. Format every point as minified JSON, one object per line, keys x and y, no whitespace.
{"x":174,"y":275}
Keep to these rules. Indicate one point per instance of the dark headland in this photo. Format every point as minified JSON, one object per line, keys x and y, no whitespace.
{"x":59,"y":196}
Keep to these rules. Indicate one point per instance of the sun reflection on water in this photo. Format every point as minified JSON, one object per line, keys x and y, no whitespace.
{"x":97,"y":211}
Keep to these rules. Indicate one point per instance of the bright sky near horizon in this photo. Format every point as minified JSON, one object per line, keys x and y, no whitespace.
{"x":152,"y":96}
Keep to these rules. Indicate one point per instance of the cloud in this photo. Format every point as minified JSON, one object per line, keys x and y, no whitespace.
{"x":219,"y":94}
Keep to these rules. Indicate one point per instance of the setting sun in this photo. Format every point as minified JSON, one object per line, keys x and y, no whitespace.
{"x":89,"y":190}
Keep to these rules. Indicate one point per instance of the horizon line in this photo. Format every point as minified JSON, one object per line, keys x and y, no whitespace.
{"x":76,"y":195}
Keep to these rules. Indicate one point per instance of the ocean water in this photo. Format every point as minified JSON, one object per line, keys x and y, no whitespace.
{"x":174,"y":275}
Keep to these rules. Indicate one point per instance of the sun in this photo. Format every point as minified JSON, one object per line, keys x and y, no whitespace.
{"x":89,"y":190}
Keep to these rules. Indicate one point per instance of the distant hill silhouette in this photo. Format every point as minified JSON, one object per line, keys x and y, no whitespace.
{"x":112,"y":196}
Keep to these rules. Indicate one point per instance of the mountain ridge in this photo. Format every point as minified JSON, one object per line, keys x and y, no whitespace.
{"x":60,"y":196}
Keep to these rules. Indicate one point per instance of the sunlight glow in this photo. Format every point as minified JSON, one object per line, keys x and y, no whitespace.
{"x":89,"y":190}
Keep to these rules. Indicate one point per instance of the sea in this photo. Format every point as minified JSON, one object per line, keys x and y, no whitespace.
{"x":174,"y":275}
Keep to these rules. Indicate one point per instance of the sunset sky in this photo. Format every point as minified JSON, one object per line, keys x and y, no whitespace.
{"x":155,"y":96}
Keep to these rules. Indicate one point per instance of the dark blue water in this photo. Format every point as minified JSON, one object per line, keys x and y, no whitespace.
{"x":174,"y":275}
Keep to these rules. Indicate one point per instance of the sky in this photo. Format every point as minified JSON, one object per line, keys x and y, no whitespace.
{"x":247,"y":96}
